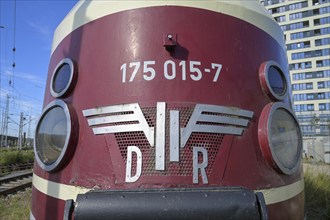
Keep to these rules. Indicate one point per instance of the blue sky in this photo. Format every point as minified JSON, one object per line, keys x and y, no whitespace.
{"x":25,"y":84}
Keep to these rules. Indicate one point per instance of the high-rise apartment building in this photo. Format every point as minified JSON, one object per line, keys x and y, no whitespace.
{"x":306,"y":27}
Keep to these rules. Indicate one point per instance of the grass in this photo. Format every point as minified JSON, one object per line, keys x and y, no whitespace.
{"x":15,"y":207}
{"x":9,"y":156}
{"x":13,"y":156}
{"x":317,"y":195}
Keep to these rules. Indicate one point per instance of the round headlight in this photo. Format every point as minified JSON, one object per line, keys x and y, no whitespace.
{"x":280,"y":137}
{"x":273,"y":80}
{"x":53,"y":135}
{"x":62,"y":78}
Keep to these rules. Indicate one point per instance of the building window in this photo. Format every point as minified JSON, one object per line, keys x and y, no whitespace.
{"x":324,"y":84}
{"x":301,"y":55}
{"x":302,"y":86}
{"x":325,"y":129}
{"x":319,"y":74}
{"x":327,"y":73}
{"x":298,"y":66}
{"x":318,"y":53}
{"x":310,"y":107}
{"x":324,"y":117}
{"x":318,"y":2}
{"x":277,"y":10}
{"x":298,"y":25}
{"x":324,"y":107}
{"x":298,"y":5}
{"x":324,"y":10}
{"x":312,"y":75}
{"x":327,"y":94}
{"x":308,"y":54}
{"x":304,"y":118}
{"x":280,"y":18}
{"x":327,"y":85}
{"x":310,"y":96}
{"x":325,"y":52}
{"x":304,"y":34}
{"x":308,"y":129}
{"x":283,"y":27}
{"x":298,"y":76}
{"x":325,"y":30}
{"x":320,"y":85}
{"x":299,"y":97}
{"x":299,"y":45}
{"x":309,"y":75}
{"x":320,"y":21}
{"x":299,"y":15}
{"x":309,"y":85}
{"x":297,"y":35}
{"x":321,"y":42}
{"x":297,"y":56}
{"x":321,"y":95}
{"x":303,"y":107}
{"x":322,"y":63}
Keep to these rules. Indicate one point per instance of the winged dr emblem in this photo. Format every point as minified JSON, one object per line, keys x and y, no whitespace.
{"x":204,"y":119}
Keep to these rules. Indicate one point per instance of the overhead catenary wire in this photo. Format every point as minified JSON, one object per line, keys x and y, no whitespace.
{"x":11,"y":81}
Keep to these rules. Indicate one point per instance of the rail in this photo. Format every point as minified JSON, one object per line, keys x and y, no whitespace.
{"x":7,"y":169}
{"x":15,"y":182}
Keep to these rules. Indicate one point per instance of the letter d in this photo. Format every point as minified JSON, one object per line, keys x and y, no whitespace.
{"x":129,"y":178}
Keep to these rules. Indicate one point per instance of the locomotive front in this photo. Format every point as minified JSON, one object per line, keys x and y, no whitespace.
{"x":168,"y":110}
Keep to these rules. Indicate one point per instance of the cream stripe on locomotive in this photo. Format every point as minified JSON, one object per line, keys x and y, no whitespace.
{"x":86,"y":11}
{"x":65,"y":192}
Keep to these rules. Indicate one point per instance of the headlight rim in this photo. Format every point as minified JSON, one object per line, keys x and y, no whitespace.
{"x":265,"y":84}
{"x":264,"y":135}
{"x":69,"y":122}
{"x":69,"y":85}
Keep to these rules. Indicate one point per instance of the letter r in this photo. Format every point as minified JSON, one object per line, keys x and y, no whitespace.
{"x":199,"y":166}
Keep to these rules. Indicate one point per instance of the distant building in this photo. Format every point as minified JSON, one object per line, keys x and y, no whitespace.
{"x":11,"y":141}
{"x":306,"y":27}
{"x":8,"y":141}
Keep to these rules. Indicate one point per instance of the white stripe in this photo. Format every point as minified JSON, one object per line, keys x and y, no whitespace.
{"x":283,"y":193}
{"x":65,"y":192}
{"x":87,"y":11}
{"x":32,"y":216}
{"x":57,"y":190}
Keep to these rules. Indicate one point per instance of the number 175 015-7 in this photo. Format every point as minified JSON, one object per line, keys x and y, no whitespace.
{"x":187,"y":70}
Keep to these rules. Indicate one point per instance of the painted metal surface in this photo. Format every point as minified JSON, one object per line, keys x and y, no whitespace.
{"x":250,"y":11}
{"x":101,"y":80}
{"x":207,"y":84}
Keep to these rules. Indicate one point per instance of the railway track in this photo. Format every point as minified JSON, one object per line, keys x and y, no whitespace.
{"x":15,"y":182}
{"x":8,"y":169}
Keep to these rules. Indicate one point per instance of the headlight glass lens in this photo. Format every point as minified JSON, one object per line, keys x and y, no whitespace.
{"x":276,"y":81}
{"x":62,"y":78}
{"x":285,"y":138}
{"x":52,"y":135}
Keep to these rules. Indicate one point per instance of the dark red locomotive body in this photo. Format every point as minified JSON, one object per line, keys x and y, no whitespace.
{"x":168,"y":110}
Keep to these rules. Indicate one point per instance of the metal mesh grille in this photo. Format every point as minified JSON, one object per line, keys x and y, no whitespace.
{"x":211,"y":142}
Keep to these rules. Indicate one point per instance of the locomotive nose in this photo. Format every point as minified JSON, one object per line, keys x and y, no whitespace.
{"x":197,"y":203}
{"x":168,"y":117}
